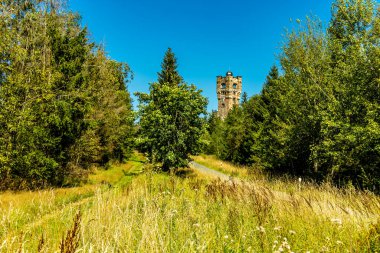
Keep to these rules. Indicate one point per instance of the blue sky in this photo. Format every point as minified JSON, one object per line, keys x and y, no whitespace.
{"x":208,"y":36}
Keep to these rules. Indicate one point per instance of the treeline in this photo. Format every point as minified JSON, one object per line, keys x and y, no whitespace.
{"x":319,"y":115}
{"x":64,"y":105}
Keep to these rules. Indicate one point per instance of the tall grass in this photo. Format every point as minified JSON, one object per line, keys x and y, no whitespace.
{"x":161,"y":213}
{"x":228,"y":168}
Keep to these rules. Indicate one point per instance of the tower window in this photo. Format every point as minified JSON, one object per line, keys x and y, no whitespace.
{"x":223,"y":85}
{"x":235,"y":85}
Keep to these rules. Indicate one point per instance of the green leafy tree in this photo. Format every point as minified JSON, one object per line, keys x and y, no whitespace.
{"x":320,"y":117}
{"x":267,"y":125}
{"x":63,"y":104}
{"x":170,"y":122}
{"x":215,"y":128}
{"x":234,"y":136}
{"x":349,"y":149}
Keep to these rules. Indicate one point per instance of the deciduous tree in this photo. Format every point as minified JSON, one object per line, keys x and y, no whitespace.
{"x":170,"y":122}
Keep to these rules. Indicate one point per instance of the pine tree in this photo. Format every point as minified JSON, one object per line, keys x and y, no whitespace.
{"x":244,"y":98}
{"x":169,"y":73}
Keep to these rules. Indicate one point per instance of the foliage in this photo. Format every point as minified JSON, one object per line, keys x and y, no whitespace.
{"x":170,"y":122}
{"x":214,"y":135}
{"x":236,"y":137}
{"x":63,"y":103}
{"x":349,"y":148}
{"x":169,"y":73}
{"x":244,"y":98}
{"x":319,"y":116}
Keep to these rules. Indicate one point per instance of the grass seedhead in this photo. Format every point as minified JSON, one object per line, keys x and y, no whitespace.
{"x":70,"y":243}
{"x":41,"y":243}
{"x":20,"y":248}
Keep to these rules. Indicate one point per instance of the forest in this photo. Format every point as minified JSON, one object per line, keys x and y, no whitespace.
{"x":318,"y":114}
{"x":65,"y":105}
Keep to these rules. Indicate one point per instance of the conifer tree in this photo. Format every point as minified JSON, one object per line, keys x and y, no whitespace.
{"x":244,"y":98}
{"x":63,"y":103}
{"x":169,"y":73}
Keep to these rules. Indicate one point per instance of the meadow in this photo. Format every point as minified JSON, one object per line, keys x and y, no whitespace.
{"x":134,"y":208}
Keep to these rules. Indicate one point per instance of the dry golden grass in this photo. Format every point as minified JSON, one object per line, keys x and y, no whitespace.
{"x":190,"y":212}
{"x":321,"y":199}
{"x":212,"y":162}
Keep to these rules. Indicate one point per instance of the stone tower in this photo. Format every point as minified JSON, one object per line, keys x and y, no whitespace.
{"x":228,"y":89}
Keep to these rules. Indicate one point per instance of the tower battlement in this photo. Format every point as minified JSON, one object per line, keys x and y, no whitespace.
{"x":228,"y":90}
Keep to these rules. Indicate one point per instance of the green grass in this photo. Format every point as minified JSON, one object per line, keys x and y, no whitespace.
{"x":131,"y":209}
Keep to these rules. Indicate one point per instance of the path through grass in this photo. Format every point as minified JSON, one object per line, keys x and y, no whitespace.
{"x":124,"y":210}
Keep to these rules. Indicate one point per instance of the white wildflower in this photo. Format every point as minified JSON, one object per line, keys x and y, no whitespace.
{"x":261,"y":229}
{"x":336,"y":221}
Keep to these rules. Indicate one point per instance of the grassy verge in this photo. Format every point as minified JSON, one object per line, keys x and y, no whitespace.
{"x":49,"y":212}
{"x":156,"y":212}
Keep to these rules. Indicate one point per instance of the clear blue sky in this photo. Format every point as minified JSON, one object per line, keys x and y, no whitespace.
{"x":208,"y":36}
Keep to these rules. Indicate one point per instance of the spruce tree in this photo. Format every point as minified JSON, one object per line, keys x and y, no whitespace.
{"x":169,"y":73}
{"x":244,"y":98}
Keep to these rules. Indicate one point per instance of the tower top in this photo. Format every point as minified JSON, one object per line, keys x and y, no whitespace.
{"x":229,"y":73}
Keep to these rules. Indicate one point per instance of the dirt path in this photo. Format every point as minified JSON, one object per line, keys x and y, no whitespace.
{"x":208,"y":171}
{"x":57,"y":212}
{"x":321,"y":206}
